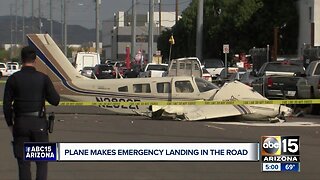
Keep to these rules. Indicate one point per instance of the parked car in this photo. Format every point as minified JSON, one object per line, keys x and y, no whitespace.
{"x":86,"y":59}
{"x":206,"y":75}
{"x":12,"y":67}
{"x":154,"y":70}
{"x":278,"y":79}
{"x":103,"y":71}
{"x":309,"y":85}
{"x":88,"y":72}
{"x":133,"y":72}
{"x":119,"y":68}
{"x":3,"y":70}
{"x":213,"y":66}
{"x":247,"y":78}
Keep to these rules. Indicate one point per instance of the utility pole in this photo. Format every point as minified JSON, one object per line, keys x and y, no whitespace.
{"x":177,"y":10}
{"x":51,"y":21}
{"x":32,"y":16}
{"x":275,"y":42}
{"x":98,"y":2}
{"x":40,"y":23}
{"x":16,"y":25}
{"x":133,"y":30}
{"x":159,"y":2}
{"x":23,"y":25}
{"x":150,"y":45}
{"x":199,"y":30}
{"x":62,"y":26}
{"x":11,"y":30}
{"x":65,"y":28}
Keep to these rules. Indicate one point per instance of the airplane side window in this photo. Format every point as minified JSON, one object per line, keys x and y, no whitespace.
{"x":123,"y":89}
{"x":163,"y":87}
{"x":141,"y":88}
{"x":182,"y":65}
{"x":183,"y":87}
{"x":188,"y":66}
{"x":317,"y":71}
{"x":174,"y":66}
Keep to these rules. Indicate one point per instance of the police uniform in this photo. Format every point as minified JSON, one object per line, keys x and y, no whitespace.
{"x":23,"y":104}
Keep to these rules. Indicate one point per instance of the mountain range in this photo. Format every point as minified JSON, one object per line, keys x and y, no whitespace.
{"x":76,"y":34}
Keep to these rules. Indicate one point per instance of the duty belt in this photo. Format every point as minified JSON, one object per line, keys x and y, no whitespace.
{"x":32,"y":114}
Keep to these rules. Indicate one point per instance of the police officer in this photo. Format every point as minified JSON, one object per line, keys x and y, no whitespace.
{"x":23,"y":106}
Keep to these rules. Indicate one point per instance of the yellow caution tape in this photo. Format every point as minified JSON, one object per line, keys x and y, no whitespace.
{"x":197,"y":102}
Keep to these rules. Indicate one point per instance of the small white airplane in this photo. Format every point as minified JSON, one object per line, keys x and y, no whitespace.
{"x":71,"y":85}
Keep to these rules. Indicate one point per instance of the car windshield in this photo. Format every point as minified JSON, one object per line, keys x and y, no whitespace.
{"x":105,"y":68}
{"x":87,"y":68}
{"x":2,"y":66}
{"x":204,"y":70}
{"x":284,"y":67}
{"x":213,"y":63}
{"x":204,"y":85}
{"x":157,"y":67}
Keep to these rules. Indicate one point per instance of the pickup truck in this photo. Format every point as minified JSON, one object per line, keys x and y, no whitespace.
{"x":309,"y":86}
{"x":154,"y":70}
{"x":278,"y":79}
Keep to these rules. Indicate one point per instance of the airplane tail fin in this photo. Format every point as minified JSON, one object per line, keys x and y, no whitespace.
{"x":51,"y":60}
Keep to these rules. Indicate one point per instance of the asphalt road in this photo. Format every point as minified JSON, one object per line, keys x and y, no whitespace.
{"x":90,"y":124}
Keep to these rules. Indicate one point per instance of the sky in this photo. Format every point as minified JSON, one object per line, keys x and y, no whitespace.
{"x":82,"y":12}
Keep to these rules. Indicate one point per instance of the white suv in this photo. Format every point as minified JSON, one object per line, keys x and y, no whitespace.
{"x":3,"y":69}
{"x":12,"y":67}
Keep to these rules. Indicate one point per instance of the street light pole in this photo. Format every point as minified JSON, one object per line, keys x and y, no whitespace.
{"x":150,"y":45}
{"x":51,"y":21}
{"x":11,"y":30}
{"x":133,"y":30}
{"x":199,"y":30}
{"x":98,"y":2}
{"x":23,"y":25}
{"x":65,"y":28}
{"x":40,"y":24}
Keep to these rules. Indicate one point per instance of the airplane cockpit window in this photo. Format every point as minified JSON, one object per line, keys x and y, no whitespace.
{"x":123,"y":89}
{"x":196,"y":66}
{"x":183,"y":87}
{"x":174,"y":65}
{"x":141,"y":88}
{"x":204,"y":85}
{"x":182,"y":65}
{"x":188,"y":66}
{"x":163,"y":87}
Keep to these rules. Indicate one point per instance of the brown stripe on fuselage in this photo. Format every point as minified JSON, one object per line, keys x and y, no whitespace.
{"x":42,"y":67}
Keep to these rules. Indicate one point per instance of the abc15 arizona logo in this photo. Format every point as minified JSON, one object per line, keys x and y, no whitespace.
{"x":280,"y":146}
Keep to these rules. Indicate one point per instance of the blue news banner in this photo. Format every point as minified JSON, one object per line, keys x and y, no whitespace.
{"x":40,"y":151}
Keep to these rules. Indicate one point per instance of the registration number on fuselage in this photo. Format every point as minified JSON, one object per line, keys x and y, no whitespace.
{"x":106,"y":99}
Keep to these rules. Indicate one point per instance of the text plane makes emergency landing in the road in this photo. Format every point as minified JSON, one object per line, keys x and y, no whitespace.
{"x":71,"y":85}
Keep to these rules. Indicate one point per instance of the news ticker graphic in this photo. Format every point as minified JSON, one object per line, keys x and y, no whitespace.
{"x":142,"y":151}
{"x":281,"y":167}
{"x":181,"y":103}
{"x":280,"y":153}
{"x":40,"y":151}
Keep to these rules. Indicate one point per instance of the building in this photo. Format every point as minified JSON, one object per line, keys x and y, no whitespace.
{"x":116,"y":33}
{"x":309,"y":24}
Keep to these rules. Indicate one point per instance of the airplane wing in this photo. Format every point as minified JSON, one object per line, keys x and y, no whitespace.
{"x":199,"y":112}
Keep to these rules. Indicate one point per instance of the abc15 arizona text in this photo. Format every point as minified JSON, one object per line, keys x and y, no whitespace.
{"x":280,"y":148}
